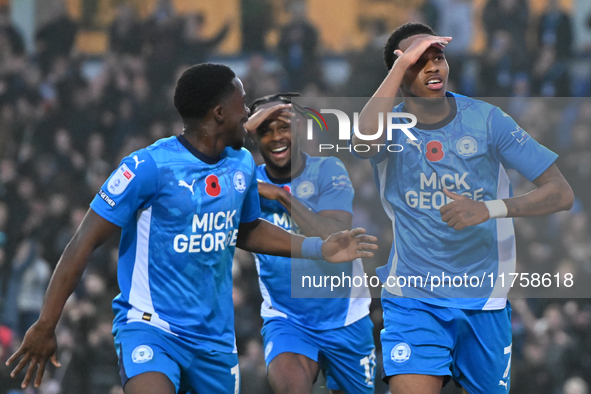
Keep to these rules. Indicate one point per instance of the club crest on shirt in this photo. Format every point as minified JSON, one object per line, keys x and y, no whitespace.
{"x":239,"y":182}
{"x":120,"y":180}
{"x":400,"y":353}
{"x":142,"y":354}
{"x":466,"y":146}
{"x":305,"y":189}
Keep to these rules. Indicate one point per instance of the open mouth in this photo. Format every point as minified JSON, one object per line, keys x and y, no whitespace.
{"x":280,"y":152}
{"x":435,"y":83}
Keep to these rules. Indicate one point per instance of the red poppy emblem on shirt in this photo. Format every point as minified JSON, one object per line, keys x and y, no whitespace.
{"x":212,"y":185}
{"x":435,"y":151}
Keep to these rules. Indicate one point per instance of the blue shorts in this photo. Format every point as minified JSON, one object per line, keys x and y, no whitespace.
{"x":473,"y":347}
{"x":345,"y":355}
{"x":144,"y":348}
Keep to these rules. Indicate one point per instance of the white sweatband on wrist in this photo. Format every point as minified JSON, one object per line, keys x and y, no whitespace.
{"x":497,"y":209}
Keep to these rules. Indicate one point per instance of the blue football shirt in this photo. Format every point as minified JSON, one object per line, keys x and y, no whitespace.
{"x":322,"y":184}
{"x":179,"y":212}
{"x":468,"y":153}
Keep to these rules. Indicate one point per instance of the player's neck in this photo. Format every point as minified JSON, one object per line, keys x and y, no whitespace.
{"x":205,"y":139}
{"x":428,"y":110}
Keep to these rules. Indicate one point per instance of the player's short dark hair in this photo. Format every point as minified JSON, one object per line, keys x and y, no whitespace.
{"x":272,"y":98}
{"x":407,"y":30}
{"x":200,"y":88}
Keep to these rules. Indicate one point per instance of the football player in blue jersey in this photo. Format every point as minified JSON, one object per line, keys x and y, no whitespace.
{"x":450,"y":201}
{"x":183,"y":204}
{"x":312,"y":196}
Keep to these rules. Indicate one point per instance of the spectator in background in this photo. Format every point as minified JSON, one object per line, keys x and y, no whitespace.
{"x":455,"y":19}
{"x":125,"y":33}
{"x":162,"y":32}
{"x":506,"y":55}
{"x":9,"y":35}
{"x":55,"y":39}
{"x":257,"y":20}
{"x":430,"y":12}
{"x":367,"y":74}
{"x":298,"y":50}
{"x":259,"y":81}
{"x":28,"y":279}
{"x":196,"y":48}
{"x":554,"y":40}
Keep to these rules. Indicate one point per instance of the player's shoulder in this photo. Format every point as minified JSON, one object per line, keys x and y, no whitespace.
{"x":399,"y":107}
{"x":240,"y":159}
{"x":471,"y":105}
{"x":150,"y":155}
{"x":261,"y":173}
{"x":162,"y":150}
{"x":327,"y":163}
{"x":323,"y":167}
{"x":241,"y":154}
{"x":319,"y":160}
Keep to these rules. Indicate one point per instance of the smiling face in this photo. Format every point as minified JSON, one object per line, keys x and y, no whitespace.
{"x":428,"y":76}
{"x":275,"y":142}
{"x":237,"y":115}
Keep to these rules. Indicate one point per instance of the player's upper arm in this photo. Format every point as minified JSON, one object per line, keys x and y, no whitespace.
{"x":251,"y":207}
{"x":562,"y":188}
{"x":95,"y":229}
{"x":336,"y":190}
{"x":514,"y":147}
{"x":130,"y":187}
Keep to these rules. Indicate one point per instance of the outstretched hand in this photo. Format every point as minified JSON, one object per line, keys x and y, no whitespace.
{"x":463,"y":211}
{"x":348,"y":245}
{"x":280,"y":110}
{"x":39,"y":345}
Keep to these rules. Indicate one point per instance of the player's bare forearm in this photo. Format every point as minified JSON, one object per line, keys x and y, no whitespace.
{"x":39,"y":343}
{"x":93,"y":232}
{"x":310,"y":223}
{"x":553,"y":194}
{"x":316,"y":224}
{"x":321,"y":224}
{"x":263,"y":237}
{"x":382,"y":102}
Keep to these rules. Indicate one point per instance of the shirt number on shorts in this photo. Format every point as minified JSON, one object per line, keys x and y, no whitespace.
{"x":369,"y":363}
{"x":236,"y":372}
{"x":502,"y":382}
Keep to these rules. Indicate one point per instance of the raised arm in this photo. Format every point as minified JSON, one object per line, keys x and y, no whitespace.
{"x":40,"y":343}
{"x":383,"y":99}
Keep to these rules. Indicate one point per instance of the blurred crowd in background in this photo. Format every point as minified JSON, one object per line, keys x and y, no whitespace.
{"x":66,"y":120}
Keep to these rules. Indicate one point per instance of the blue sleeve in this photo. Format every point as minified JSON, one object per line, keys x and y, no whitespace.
{"x":251,"y":207}
{"x":514,"y":148}
{"x":129,"y":188}
{"x":336,"y":191}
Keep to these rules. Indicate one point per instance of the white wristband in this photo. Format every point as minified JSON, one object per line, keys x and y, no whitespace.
{"x":496,"y":209}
